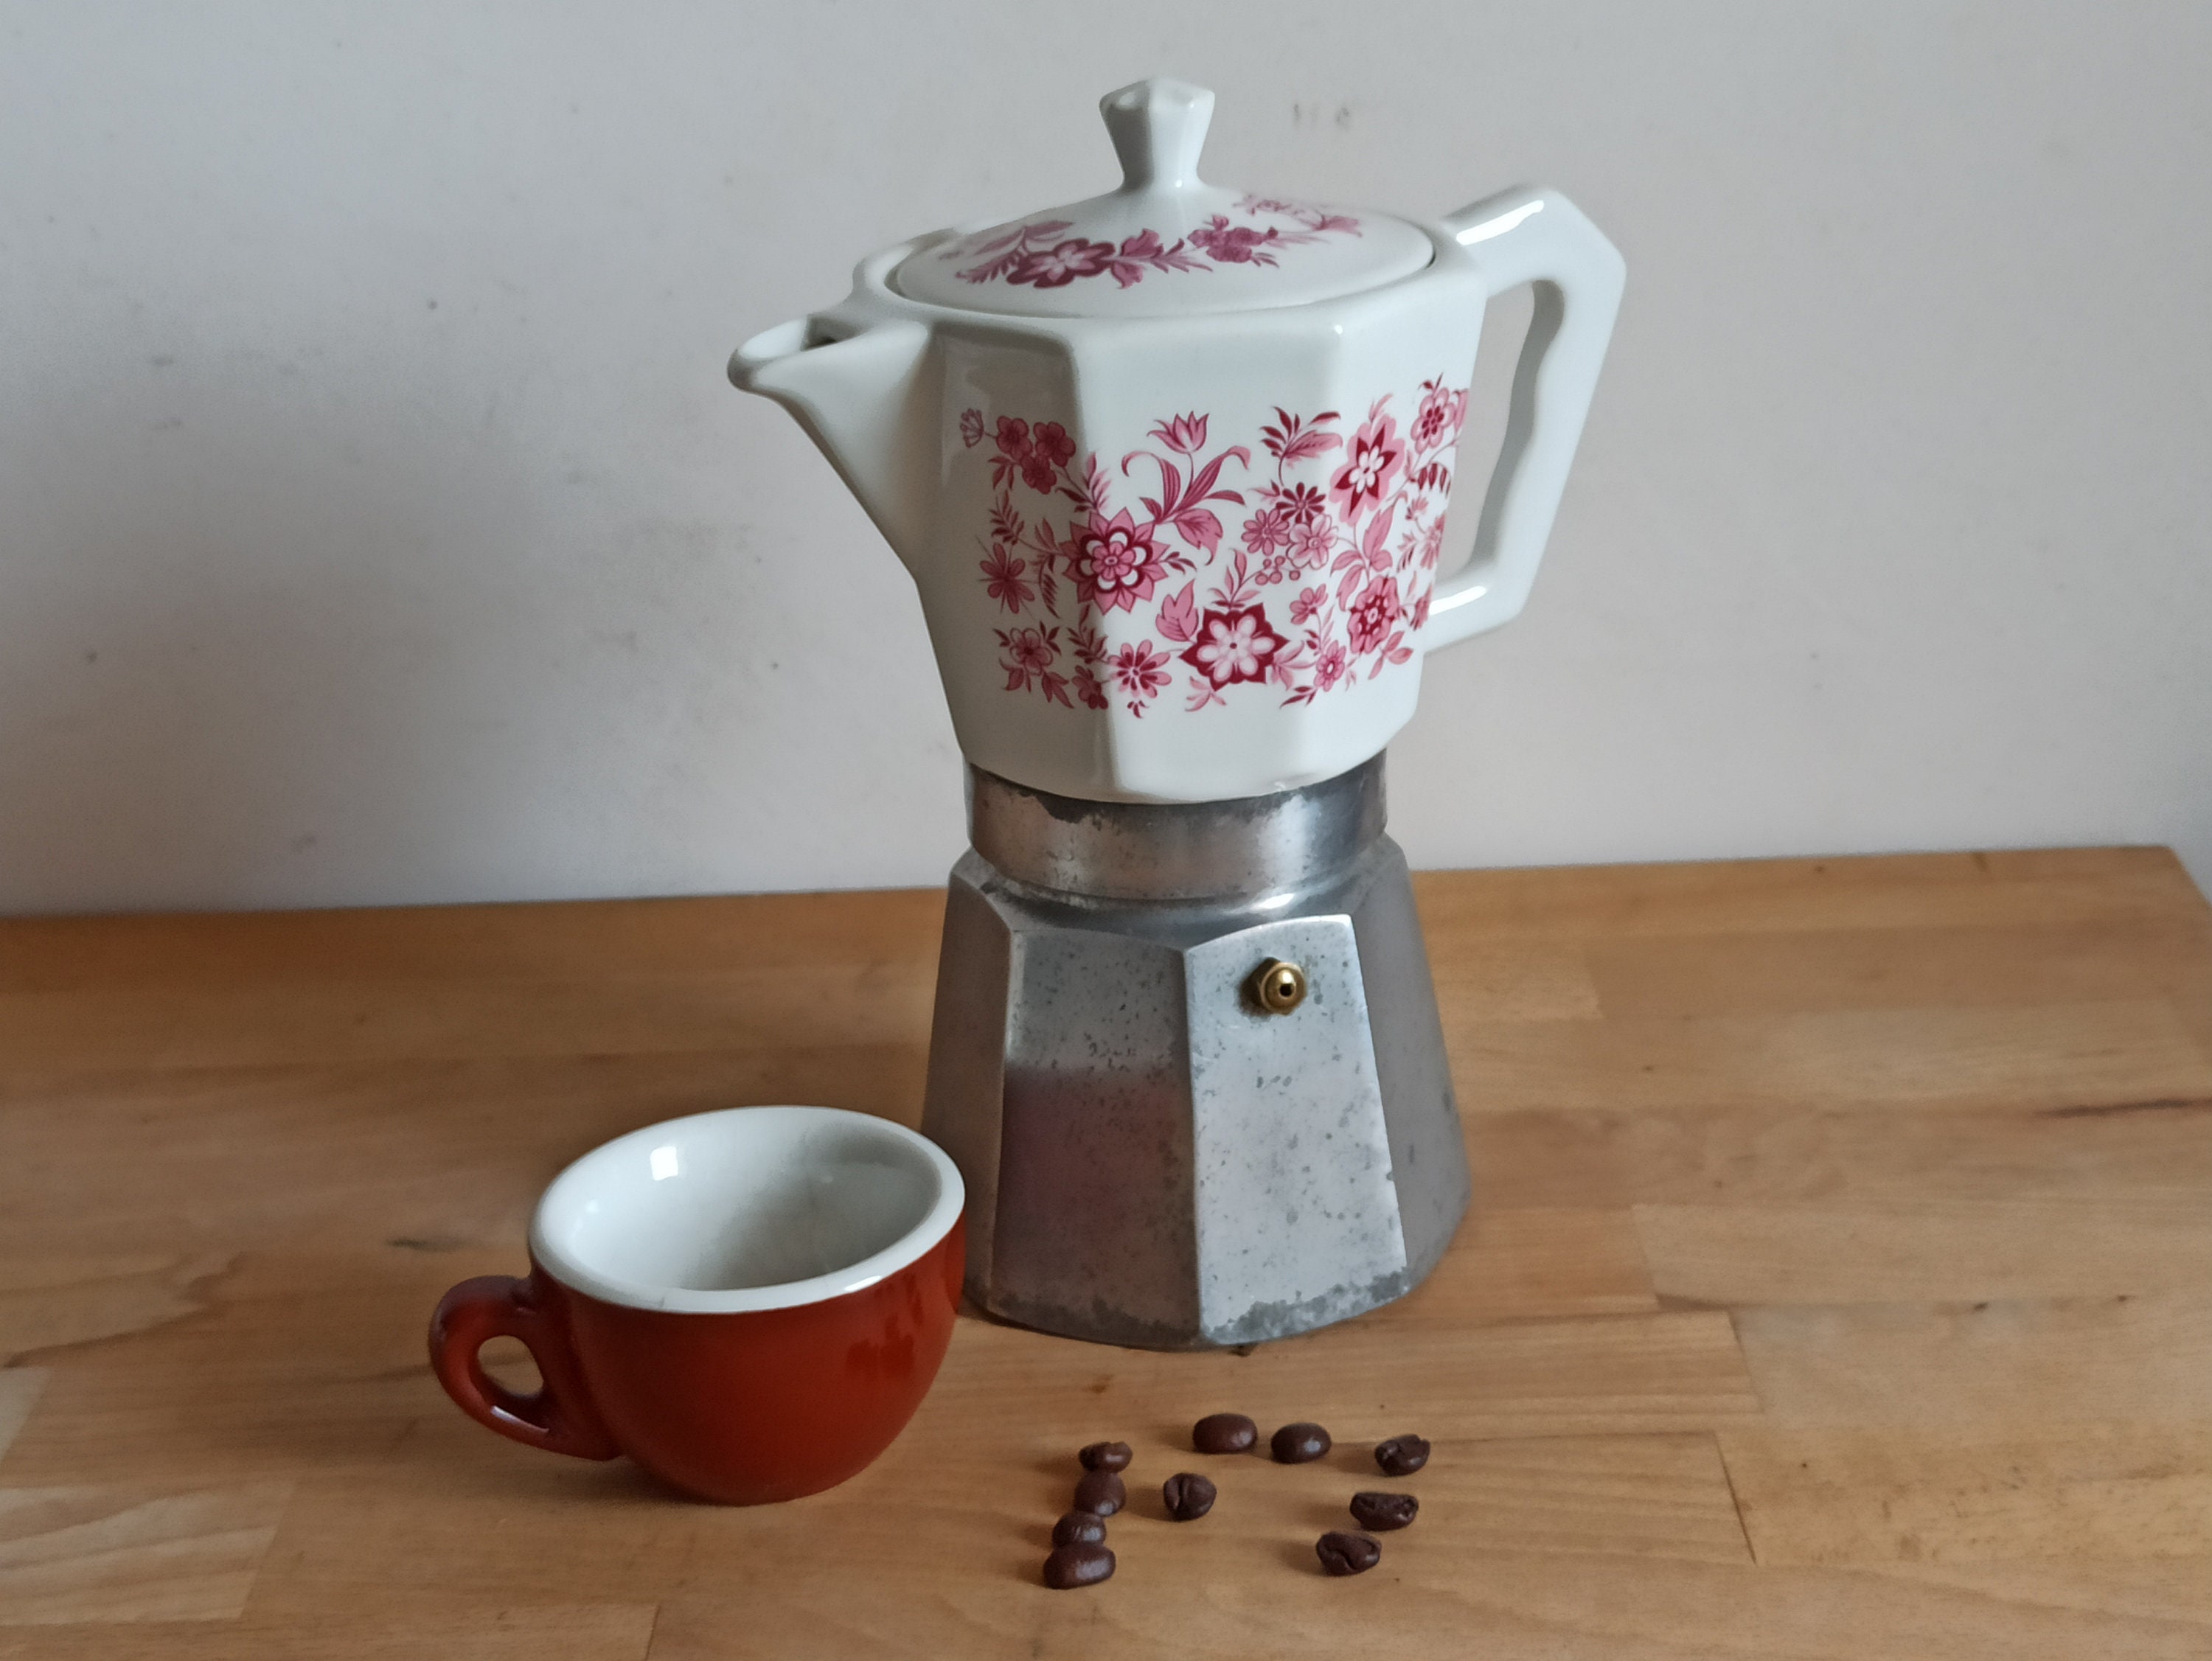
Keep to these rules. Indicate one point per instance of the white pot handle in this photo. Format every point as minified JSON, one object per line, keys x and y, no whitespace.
{"x":1535,"y":236}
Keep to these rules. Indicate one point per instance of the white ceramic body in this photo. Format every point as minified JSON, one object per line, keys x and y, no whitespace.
{"x":1099,"y":639}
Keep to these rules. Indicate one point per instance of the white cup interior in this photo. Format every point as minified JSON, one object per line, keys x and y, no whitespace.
{"x":750,"y":1207}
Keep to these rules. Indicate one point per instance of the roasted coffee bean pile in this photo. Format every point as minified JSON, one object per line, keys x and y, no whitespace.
{"x":1080,"y":1553}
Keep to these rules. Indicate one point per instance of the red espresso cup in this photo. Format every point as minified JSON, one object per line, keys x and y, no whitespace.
{"x":749,"y":1303}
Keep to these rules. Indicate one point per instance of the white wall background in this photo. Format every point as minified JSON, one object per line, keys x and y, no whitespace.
{"x":376,"y":524}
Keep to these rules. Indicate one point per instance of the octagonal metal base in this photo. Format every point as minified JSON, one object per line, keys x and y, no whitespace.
{"x":1151,"y":1157}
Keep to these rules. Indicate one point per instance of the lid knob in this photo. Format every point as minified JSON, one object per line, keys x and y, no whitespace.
{"x":1158,"y":127}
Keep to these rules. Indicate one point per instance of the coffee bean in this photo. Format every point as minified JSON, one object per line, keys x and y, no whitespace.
{"x":1079,"y":1528}
{"x":1078,"y":1566}
{"x":1224,"y":1433}
{"x":1101,"y":1491}
{"x":1188,"y":1496}
{"x":1106,"y":1456}
{"x":1402,"y":1455}
{"x":1378,"y":1514}
{"x":1299,"y":1444}
{"x":1345,"y":1554}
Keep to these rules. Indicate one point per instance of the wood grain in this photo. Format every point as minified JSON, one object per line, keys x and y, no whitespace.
{"x":2007,"y":1362}
{"x":1840,"y":1286}
{"x":76,"y":1555}
{"x":51,"y":1302}
{"x":1974,"y":1494}
{"x":400,"y":1629}
{"x":20,"y":1389}
{"x":1968,"y":1251}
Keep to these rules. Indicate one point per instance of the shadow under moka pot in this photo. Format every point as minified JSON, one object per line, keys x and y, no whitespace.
{"x":1169,"y":468}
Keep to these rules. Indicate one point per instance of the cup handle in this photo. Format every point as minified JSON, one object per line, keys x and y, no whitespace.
{"x":1537,"y":237}
{"x":559,"y":1416}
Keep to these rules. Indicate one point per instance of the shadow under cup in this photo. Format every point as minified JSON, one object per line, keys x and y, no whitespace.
{"x":748,"y":1303}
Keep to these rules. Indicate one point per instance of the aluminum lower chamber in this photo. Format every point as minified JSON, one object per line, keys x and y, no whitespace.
{"x":1153,"y":1156}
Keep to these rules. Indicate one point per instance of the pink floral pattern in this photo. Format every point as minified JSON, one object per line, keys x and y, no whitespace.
{"x":1041,"y":254}
{"x":1331,"y":572}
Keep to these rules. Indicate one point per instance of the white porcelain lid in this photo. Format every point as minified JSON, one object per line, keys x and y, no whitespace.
{"x":1165,"y":243}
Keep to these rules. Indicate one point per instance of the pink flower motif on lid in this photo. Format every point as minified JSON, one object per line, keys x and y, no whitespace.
{"x":1233,"y":646}
{"x":1041,"y":254}
{"x":1062,"y":263}
{"x":1236,"y":245}
{"x":971,"y":428}
{"x":1308,"y":606}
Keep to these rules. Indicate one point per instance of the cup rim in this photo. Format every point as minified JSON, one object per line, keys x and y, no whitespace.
{"x":937,"y":1222}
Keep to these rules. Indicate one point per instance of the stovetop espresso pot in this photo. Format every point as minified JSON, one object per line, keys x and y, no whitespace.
{"x":1169,"y":468}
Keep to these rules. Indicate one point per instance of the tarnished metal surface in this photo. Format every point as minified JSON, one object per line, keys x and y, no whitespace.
{"x":1238,"y":850}
{"x":1151,"y":1157}
{"x":1297,"y":1215}
{"x":1427,"y":1150}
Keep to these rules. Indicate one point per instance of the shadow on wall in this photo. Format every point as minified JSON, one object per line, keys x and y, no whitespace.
{"x":246,"y":646}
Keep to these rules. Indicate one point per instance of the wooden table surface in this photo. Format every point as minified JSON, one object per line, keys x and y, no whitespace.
{"x":1840,"y":1285}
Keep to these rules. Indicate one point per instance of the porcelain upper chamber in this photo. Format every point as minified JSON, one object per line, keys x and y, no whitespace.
{"x":1170,"y":466}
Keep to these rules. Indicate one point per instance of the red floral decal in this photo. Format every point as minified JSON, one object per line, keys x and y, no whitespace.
{"x":1372,"y":613}
{"x":1003,"y":574}
{"x":1444,"y":412}
{"x":1038,"y":255}
{"x":1062,"y":263}
{"x":1352,"y":529}
{"x":1329,"y":667}
{"x":1372,"y":466}
{"x":1141,"y":672}
{"x":1116,"y":563}
{"x":1030,"y":654}
{"x":1234,"y":646}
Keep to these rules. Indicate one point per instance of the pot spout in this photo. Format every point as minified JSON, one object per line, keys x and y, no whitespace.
{"x":861,"y":395}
